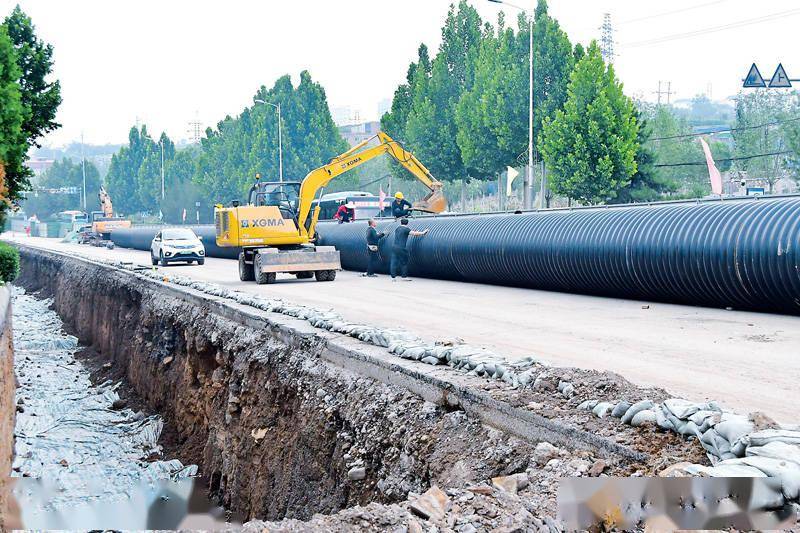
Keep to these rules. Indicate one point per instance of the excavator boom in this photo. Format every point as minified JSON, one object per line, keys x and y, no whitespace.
{"x":318,"y":178}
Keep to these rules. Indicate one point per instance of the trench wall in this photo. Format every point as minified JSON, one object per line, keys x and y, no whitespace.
{"x":7,"y":407}
{"x":278,"y":429}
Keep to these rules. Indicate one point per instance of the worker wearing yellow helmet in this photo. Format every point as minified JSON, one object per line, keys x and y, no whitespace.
{"x":400,"y":207}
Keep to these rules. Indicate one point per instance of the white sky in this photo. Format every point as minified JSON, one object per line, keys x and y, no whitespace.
{"x":165,"y":62}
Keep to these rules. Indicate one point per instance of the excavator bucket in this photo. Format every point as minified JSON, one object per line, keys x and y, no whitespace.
{"x":434,"y":202}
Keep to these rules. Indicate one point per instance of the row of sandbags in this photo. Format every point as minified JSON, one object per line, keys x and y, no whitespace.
{"x":471,"y":359}
{"x":735,"y":447}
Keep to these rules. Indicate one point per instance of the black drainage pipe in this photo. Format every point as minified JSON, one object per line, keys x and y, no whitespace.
{"x":742,"y":254}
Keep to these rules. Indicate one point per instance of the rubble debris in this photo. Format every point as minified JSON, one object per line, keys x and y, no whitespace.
{"x":433,"y":504}
{"x":357,"y":473}
{"x":544,"y":452}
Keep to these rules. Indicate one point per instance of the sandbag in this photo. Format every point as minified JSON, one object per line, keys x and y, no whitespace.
{"x":776,"y":450}
{"x":635,"y":408}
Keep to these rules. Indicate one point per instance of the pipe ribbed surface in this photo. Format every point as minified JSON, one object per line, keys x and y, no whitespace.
{"x":739,"y":253}
{"x":140,"y":238}
{"x":742,"y":254}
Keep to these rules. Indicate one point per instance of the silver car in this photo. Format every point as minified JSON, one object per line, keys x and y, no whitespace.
{"x":175,"y":245}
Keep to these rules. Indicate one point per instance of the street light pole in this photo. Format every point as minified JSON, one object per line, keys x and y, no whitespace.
{"x":528,"y":189}
{"x":83,"y":170}
{"x":162,"y":168}
{"x":280,"y":136}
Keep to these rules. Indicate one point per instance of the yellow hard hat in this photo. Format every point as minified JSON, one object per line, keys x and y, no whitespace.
{"x":398,"y":195}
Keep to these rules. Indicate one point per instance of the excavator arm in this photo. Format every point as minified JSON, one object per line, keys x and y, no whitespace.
{"x":318,"y":178}
{"x":105,"y":203}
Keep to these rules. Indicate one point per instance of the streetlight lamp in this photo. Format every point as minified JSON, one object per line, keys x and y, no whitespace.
{"x":527,"y":192}
{"x":280,"y":136}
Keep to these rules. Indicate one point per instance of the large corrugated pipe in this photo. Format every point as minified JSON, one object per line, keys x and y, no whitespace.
{"x":140,"y":238}
{"x":742,"y":254}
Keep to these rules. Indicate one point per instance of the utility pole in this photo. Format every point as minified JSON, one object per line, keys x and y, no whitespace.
{"x":607,"y":39}
{"x":666,"y":92}
{"x":280,"y":145}
{"x":527,"y":197}
{"x":280,"y":135}
{"x":83,"y":171}
{"x":162,"y":169}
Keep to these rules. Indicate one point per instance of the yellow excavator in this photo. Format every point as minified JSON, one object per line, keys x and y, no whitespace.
{"x":102,"y":223}
{"x":276,"y":229}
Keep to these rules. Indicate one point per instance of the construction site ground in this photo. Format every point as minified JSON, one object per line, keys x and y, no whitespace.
{"x":694,"y":352}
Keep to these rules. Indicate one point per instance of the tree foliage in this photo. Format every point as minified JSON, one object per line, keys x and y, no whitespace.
{"x":134,"y":177}
{"x":590,"y":146}
{"x":677,"y":151}
{"x":124,"y":174}
{"x":465,"y":112}
{"x":11,"y":115}
{"x":756,"y":134}
{"x":64,"y":173}
{"x":241,"y":147}
{"x":39,"y":97}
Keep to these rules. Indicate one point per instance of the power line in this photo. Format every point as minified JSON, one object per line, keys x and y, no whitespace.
{"x":667,"y":13}
{"x":742,"y":158}
{"x":726,"y":130}
{"x":713,"y":29}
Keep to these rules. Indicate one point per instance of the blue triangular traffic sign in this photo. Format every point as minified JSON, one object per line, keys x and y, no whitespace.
{"x":754,"y":79}
{"x":780,"y":80}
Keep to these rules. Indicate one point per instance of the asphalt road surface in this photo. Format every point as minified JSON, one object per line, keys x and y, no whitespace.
{"x":748,"y":361}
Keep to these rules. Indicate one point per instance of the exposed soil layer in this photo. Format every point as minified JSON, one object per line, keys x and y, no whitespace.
{"x":278,"y":432}
{"x":7,"y":406}
{"x":282,"y":433}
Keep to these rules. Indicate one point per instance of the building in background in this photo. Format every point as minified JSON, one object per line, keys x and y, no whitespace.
{"x":356,"y":133}
{"x":39,"y":165}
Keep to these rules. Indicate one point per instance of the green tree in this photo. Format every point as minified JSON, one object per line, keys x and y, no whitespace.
{"x":465,"y":113}
{"x":134,"y":176}
{"x":590,"y":146}
{"x":394,"y":121}
{"x":754,"y":135}
{"x":430,"y":129}
{"x":12,"y":146}
{"x":553,"y":58}
{"x":63,"y":174}
{"x":647,"y":184}
{"x":240,"y":147}
{"x":491,"y":117}
{"x":39,"y":97}
{"x":679,"y":157}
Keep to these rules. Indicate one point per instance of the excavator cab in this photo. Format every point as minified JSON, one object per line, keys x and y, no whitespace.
{"x":281,"y":194}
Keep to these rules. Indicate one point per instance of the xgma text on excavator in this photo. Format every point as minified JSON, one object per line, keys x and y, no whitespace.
{"x":102,"y":223}
{"x":276,"y":229}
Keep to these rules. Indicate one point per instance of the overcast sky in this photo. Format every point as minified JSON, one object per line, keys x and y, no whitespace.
{"x":166,"y":62}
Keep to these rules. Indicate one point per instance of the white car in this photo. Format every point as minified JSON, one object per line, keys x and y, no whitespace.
{"x":177,"y":244}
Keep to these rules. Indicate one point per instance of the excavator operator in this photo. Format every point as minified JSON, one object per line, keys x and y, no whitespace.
{"x":401,"y":207}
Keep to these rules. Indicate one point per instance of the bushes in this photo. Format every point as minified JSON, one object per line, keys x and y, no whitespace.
{"x":9,"y":263}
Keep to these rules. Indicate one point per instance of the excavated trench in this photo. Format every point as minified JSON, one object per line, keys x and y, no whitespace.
{"x":278,"y":431}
